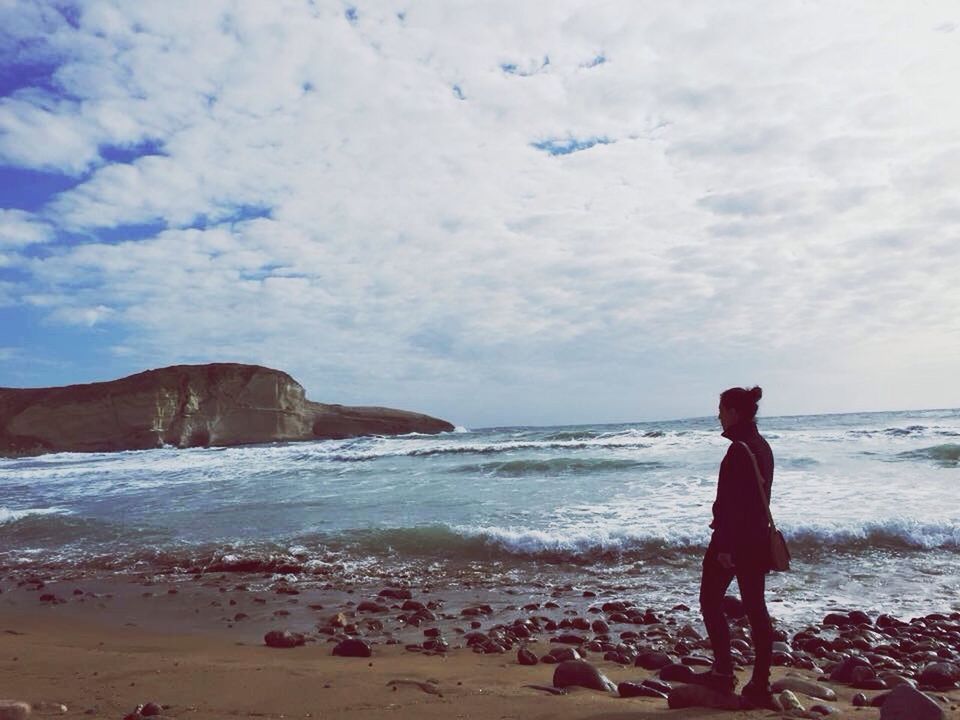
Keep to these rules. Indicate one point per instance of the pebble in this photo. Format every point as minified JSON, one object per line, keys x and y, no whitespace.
{"x":353,"y":647}
{"x":14,"y":710}
{"x":630,"y":689}
{"x":805,"y":687}
{"x":526,"y":657}
{"x":790,"y":702}
{"x":940,"y":675}
{"x":583,"y":674}
{"x":653,"y":660}
{"x":283,"y":639}
{"x":907,"y":703}
{"x":843,"y":673}
{"x":395,"y":593}
{"x":676,"y":672}
{"x":824,"y":710}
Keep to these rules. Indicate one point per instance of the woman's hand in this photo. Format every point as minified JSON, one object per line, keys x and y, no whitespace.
{"x":725,"y":560}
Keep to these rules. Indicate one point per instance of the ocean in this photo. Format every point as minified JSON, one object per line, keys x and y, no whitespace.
{"x":869,"y":503}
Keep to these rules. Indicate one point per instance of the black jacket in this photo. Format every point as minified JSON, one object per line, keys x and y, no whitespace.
{"x":740,"y":525}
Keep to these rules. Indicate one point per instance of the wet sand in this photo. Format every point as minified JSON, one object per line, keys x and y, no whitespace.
{"x":101,"y":646}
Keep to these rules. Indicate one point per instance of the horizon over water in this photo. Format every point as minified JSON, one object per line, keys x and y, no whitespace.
{"x":868,"y":502}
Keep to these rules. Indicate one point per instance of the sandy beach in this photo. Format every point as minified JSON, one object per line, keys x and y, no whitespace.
{"x":102,"y":646}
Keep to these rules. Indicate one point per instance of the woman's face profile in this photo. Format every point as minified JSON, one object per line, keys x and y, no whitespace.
{"x":728,"y":417}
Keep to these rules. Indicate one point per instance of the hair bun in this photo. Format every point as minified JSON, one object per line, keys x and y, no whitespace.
{"x":756,"y":393}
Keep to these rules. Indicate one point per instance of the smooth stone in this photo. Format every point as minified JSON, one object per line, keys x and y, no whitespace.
{"x":370,"y":606}
{"x":569,"y":639}
{"x":838,"y":619}
{"x":843,"y":673}
{"x":283,"y":639}
{"x":861,"y":673}
{"x":663,"y":687}
{"x":151,"y":709}
{"x":684,"y":696}
{"x":352,"y":648}
{"x":789,"y":701}
{"x":688,"y":632}
{"x":525,"y":657}
{"x":824,"y":710}
{"x":652,"y":660}
{"x":583,"y":674}
{"x":563,"y":654}
{"x":696,"y":661}
{"x":630,"y":689}
{"x":600,"y":627}
{"x":676,"y":672}
{"x":939,"y":675}
{"x":395,"y":593}
{"x":860,"y":700}
{"x":906,"y":703}
{"x":873,"y":683}
{"x":893,"y":679}
{"x":14,"y":710}
{"x":805,"y":687}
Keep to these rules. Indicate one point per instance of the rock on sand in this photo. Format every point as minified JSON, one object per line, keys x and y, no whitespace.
{"x":14,"y":710}
{"x":906,"y":703}
{"x":583,"y":674}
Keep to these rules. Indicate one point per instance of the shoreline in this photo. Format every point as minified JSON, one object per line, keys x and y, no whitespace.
{"x":108,"y":643}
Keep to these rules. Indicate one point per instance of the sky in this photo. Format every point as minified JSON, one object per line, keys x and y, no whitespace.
{"x":499,"y":213}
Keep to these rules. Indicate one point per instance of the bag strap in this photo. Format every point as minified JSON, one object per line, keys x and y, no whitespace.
{"x":760,"y":483}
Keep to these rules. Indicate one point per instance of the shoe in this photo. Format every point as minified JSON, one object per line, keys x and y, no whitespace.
{"x":721,"y":682}
{"x":756,"y":695}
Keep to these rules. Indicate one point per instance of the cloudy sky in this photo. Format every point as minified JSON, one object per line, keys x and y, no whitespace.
{"x":496,"y":212}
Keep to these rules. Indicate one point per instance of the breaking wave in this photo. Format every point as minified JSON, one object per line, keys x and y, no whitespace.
{"x":102,"y":546}
{"x":944,"y":455}
{"x":553,"y":466}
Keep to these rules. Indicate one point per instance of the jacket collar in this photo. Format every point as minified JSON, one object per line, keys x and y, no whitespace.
{"x":741,"y":431}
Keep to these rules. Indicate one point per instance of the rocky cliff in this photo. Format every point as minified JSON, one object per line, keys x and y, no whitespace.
{"x":186,"y":406}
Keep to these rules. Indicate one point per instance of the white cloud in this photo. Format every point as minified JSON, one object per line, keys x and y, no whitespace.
{"x":19,"y":229}
{"x":779,"y":190}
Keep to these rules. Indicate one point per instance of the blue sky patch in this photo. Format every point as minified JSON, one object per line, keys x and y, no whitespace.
{"x":125,"y":233}
{"x":458,"y":93}
{"x":128,"y":153}
{"x":565,"y":146}
{"x":240,"y":213}
{"x":31,"y":189}
{"x":18,"y":76}
{"x":351,"y":15}
{"x":598,"y":60}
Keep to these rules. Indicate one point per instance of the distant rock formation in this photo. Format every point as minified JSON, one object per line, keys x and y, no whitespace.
{"x":220,"y":404}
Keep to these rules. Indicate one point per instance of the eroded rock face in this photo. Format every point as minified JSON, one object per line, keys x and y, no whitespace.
{"x":221,"y":404}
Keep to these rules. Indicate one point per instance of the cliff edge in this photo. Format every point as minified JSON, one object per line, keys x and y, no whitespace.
{"x":219,"y":404}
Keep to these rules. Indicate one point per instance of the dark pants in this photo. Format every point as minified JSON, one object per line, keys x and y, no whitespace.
{"x":713,"y":586}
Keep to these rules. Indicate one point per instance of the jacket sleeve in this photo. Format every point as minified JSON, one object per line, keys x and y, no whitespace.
{"x":730,"y":515}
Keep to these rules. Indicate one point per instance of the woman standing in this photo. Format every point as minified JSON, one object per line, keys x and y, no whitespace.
{"x":739,"y":546}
